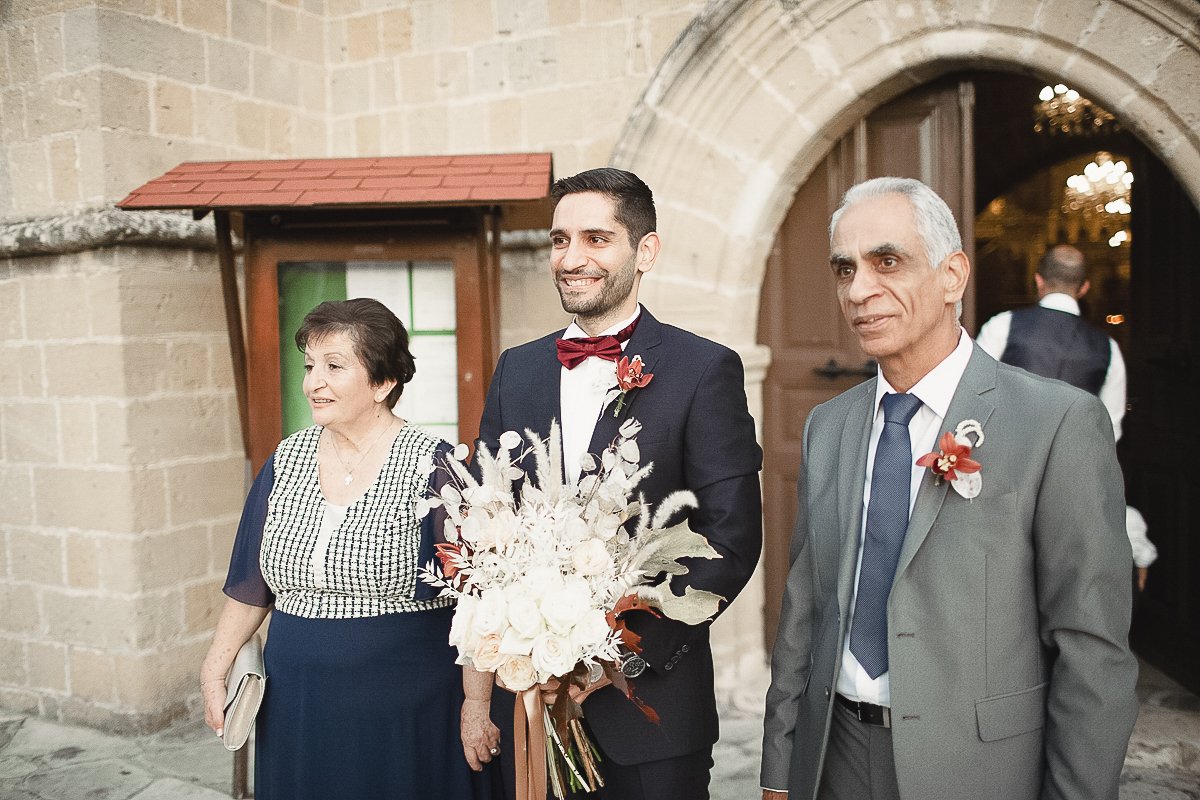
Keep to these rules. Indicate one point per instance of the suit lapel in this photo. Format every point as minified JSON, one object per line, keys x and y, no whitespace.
{"x":969,"y":402}
{"x":645,"y":343}
{"x":544,"y":395}
{"x":852,"y":478}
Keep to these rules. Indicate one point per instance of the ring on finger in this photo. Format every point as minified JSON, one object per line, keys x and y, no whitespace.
{"x":495,"y":751}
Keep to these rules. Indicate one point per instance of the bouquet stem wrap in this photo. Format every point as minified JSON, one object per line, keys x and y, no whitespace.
{"x":529,"y":734}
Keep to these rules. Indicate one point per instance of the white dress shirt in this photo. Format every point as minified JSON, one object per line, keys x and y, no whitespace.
{"x":581,"y":396}
{"x":993,"y":338}
{"x":935,"y":391}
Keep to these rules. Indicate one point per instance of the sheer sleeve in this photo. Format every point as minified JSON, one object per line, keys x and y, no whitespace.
{"x":245,"y":582}
{"x":433,"y":526}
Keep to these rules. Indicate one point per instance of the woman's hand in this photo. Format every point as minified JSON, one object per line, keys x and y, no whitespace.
{"x":480,"y":738}
{"x":213,"y":691}
{"x":237,"y":623}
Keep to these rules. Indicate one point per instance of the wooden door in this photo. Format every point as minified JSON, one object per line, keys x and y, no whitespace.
{"x":1160,"y":434}
{"x":473,"y":350}
{"x":924,"y":134}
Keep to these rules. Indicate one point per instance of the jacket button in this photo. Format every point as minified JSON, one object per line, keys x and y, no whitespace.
{"x":826,"y":692}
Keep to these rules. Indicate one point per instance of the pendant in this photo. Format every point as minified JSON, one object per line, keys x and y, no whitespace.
{"x":349,"y":478}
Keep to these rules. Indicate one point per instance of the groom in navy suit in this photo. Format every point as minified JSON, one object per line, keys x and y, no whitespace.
{"x":695,"y":428}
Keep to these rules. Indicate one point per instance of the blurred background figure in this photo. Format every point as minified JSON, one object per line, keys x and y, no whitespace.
{"x":1052,"y":339}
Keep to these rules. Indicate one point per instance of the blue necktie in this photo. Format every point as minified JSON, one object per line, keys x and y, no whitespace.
{"x":887,"y":520}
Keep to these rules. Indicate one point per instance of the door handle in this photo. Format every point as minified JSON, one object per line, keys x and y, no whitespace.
{"x":833,"y":369}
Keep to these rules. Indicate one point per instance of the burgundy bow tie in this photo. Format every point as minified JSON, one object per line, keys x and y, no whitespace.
{"x":573,"y":352}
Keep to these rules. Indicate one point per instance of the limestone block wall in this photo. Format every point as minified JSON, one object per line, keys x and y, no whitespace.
{"x":466,"y":76}
{"x":98,"y":96}
{"x":121,"y":477}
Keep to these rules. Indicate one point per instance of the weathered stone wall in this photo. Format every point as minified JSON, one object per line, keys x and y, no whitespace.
{"x":121,"y":477}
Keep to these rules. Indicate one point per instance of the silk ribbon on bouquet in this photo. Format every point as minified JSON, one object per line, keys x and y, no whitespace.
{"x":529,"y":734}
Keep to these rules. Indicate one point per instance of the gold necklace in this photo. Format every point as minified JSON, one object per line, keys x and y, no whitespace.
{"x":350,"y":470}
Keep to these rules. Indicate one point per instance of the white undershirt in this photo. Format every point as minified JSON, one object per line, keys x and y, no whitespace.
{"x":331,"y":520}
{"x":935,"y":392}
{"x":581,"y":396}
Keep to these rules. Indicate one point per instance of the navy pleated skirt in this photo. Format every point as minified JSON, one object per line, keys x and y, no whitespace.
{"x":362,"y":709}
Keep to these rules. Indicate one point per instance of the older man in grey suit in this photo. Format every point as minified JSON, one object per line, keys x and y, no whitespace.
{"x":947,"y":633}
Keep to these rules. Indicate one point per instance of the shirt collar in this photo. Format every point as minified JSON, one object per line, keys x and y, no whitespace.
{"x":1058,"y":301}
{"x":573,"y":330}
{"x":937,"y":388}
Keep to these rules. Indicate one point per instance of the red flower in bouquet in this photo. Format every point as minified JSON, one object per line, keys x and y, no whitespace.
{"x":630,"y":377}
{"x":951,"y":460}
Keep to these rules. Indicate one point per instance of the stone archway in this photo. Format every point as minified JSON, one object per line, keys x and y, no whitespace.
{"x":753,"y":94}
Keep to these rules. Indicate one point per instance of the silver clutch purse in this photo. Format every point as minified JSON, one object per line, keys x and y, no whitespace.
{"x":246,"y":682}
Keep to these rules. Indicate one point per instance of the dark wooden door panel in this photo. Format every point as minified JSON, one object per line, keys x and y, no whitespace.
{"x":813,"y":353}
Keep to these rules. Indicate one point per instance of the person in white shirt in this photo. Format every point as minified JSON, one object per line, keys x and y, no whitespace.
{"x":1053,"y":341}
{"x":1056,"y":342}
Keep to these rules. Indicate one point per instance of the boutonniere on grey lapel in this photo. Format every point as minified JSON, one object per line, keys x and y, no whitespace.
{"x":629,"y":377}
{"x":953,"y":460}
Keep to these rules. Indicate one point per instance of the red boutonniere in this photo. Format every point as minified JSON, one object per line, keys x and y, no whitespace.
{"x":629,"y":377}
{"x":953,"y":459}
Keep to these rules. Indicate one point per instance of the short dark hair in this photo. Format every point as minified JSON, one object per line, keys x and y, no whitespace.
{"x":1063,"y":266}
{"x":379,"y":338}
{"x":633,"y":198}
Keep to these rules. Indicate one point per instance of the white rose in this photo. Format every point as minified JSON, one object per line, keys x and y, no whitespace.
{"x":524,"y":616}
{"x":489,"y":613}
{"x":516,"y":674}
{"x":552,"y":656}
{"x":514,"y":644}
{"x":563,"y":606}
{"x":539,"y":580}
{"x":590,"y":633}
{"x":590,"y":557}
{"x":487,"y":656}
{"x":461,"y":627}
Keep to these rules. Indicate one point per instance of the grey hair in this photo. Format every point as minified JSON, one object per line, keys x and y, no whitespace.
{"x":935,"y":222}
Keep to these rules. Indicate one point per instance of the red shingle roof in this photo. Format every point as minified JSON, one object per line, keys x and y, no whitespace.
{"x":361,"y":182}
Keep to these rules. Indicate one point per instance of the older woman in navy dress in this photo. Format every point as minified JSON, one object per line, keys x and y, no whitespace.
{"x":363,"y":698}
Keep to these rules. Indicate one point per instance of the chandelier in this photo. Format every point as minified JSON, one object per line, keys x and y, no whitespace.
{"x":1065,"y":111}
{"x":1101,"y":196}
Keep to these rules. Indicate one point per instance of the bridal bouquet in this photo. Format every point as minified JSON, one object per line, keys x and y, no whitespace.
{"x":543,"y":574}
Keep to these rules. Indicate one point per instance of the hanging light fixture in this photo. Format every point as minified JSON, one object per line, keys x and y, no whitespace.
{"x":1063,"y":110}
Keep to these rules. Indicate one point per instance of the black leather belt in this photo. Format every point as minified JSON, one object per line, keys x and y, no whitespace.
{"x":867,"y":713}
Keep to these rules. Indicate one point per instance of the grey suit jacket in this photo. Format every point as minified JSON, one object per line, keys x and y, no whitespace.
{"x":1011,"y":675}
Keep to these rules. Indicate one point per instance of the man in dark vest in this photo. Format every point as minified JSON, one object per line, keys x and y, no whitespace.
{"x":1052,"y":340}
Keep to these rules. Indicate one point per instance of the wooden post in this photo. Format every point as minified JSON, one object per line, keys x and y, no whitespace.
{"x":233,"y":321}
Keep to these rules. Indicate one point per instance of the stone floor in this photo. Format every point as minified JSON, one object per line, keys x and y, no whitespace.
{"x":42,"y":760}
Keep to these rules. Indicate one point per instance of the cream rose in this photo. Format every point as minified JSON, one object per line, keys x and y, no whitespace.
{"x":552,"y":656}
{"x":590,"y":557}
{"x":516,"y":674}
{"x":487,"y":656}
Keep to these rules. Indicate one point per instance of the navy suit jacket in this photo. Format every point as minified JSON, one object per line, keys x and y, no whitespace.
{"x":698,"y":432}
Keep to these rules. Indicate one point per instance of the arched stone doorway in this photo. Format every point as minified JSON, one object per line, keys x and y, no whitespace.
{"x":754,"y":94}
